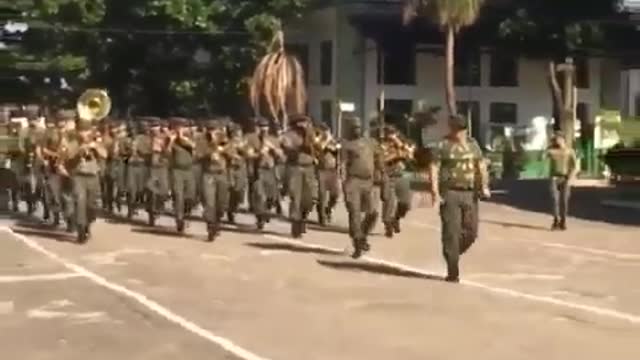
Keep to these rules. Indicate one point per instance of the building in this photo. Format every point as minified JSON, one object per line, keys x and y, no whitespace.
{"x":353,"y":50}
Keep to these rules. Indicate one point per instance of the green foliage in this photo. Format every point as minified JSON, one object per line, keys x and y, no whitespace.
{"x":154,"y":56}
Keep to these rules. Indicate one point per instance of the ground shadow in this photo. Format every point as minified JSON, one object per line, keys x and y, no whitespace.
{"x":328,"y":228}
{"x":161,"y":231}
{"x":586,"y":201}
{"x":377,"y":268}
{"x":294,"y":248}
{"x":250,"y":230}
{"x":43,"y":232}
{"x":516,"y":225}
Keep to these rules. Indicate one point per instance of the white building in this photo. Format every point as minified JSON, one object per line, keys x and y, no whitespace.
{"x":498,"y":90}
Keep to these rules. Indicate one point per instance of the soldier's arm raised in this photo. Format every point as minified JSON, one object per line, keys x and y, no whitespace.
{"x":574,"y":169}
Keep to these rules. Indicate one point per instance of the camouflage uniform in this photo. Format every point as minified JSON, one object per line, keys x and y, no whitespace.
{"x":458,"y":182}
{"x":562,"y":166}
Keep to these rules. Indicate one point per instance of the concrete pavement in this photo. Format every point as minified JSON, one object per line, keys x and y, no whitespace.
{"x":140,"y":293}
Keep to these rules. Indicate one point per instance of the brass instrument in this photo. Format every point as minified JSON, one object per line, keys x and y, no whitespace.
{"x":93,"y":105}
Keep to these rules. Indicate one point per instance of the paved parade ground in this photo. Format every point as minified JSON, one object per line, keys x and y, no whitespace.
{"x":136,"y":293}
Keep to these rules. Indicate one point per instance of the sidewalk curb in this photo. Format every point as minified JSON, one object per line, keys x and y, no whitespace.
{"x":633,"y":205}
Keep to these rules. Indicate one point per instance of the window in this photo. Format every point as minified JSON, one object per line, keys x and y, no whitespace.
{"x":582,"y":113}
{"x":468,"y":69}
{"x":301,"y":52}
{"x":504,"y":70}
{"x":503,"y":113}
{"x":396,"y":111}
{"x":471,"y":110}
{"x":582,"y":73}
{"x":326,"y":63}
{"x":326,"y":109}
{"x":397,"y":65}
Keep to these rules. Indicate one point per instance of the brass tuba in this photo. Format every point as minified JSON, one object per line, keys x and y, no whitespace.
{"x":93,"y":105}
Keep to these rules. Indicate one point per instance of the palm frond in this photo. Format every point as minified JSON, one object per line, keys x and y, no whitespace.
{"x":445,"y":13}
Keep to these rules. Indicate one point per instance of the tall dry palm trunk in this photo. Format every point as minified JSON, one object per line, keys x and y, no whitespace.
{"x":449,"y":71}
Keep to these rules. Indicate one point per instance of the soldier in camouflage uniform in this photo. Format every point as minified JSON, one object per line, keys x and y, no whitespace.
{"x":458,"y":178}
{"x":361,"y":159}
{"x":263,"y":152}
{"x":396,"y":187}
{"x":138,"y":154}
{"x":298,"y":144}
{"x":82,"y":155}
{"x":237,"y":171}
{"x":563,"y":170}
{"x":28,"y":170}
{"x":182,"y":149}
{"x":158,"y":182}
{"x":328,"y":178}
{"x":116,"y":168}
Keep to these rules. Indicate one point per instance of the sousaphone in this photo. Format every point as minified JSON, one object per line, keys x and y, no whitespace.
{"x":93,"y":105}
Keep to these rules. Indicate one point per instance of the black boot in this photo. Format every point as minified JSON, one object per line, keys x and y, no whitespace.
{"x":152,"y":218}
{"x":180,"y":225}
{"x":388,"y":230}
{"x":71,"y":227}
{"x":296,"y":229}
{"x":56,"y":219}
{"x":260,"y":222}
{"x":563,"y":224}
{"x":453,"y":273}
{"x":357,"y":249}
{"x":83,"y":234}
{"x":212,"y":232}
{"x":555,"y":225}
{"x":231,"y":217}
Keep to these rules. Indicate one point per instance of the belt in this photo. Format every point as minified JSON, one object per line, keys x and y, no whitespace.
{"x":460,"y":188}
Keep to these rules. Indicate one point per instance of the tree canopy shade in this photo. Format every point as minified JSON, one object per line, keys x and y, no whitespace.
{"x":158,"y":57}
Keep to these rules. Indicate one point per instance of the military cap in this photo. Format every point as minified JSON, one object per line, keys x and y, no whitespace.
{"x":63,"y":115}
{"x":213,"y":124}
{"x":178,"y":121}
{"x":84,"y":125}
{"x":458,"y":121}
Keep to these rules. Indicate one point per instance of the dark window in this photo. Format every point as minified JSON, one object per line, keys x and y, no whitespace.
{"x":582,"y":113}
{"x":326,"y":109}
{"x":504,"y":70}
{"x":468,"y":69}
{"x":326,"y":63}
{"x":471,"y":110}
{"x":582,"y":73}
{"x":301,"y":52}
{"x":503,"y":113}
{"x":397,"y":66}
{"x":396,"y":111}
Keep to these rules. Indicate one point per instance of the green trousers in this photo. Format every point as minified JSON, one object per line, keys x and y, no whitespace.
{"x":303,"y":191}
{"x":86,"y":192}
{"x":184,"y":191}
{"x":359,"y":197}
{"x":264,"y":191}
{"x":215,"y":195}
{"x":136,"y":184}
{"x":328,"y":192}
{"x":396,"y":198}
{"x":459,"y":217}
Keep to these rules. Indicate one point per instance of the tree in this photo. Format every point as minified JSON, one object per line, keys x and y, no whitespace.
{"x":452,"y":16}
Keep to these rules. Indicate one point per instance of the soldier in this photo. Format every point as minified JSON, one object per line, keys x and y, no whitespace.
{"x":116,"y":167}
{"x":396,"y":188}
{"x":11,"y":152}
{"x":299,"y":147}
{"x":158,"y":182}
{"x":199,"y":135}
{"x":57,"y":191}
{"x":215,"y":176}
{"x":328,"y":178}
{"x":81,"y":155}
{"x":458,"y":176}
{"x":361,"y":160}
{"x":28,"y":173}
{"x":282,"y":171}
{"x":182,"y":147}
{"x":563,"y":170}
{"x":237,"y":171}
{"x":264,"y":153}
{"x":138,"y":154}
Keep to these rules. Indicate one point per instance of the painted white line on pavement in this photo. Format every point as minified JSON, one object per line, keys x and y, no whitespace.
{"x":604,"y":312}
{"x":42,"y":277}
{"x":224,"y":343}
{"x":588,"y":250}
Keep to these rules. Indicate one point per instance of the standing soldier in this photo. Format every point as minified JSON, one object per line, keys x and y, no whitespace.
{"x":328,"y":178}
{"x":158,"y":183}
{"x":139,"y":151}
{"x":396,"y":188}
{"x":181,"y":147}
{"x":215,"y":176}
{"x":237,"y":171}
{"x":14,"y":155}
{"x":282,"y":171}
{"x":362,"y":164}
{"x":116,"y":168}
{"x":458,"y":176}
{"x":82,"y":155}
{"x":199,"y":136}
{"x":28,"y":173}
{"x":299,"y":146}
{"x":57,"y":190}
{"x":264,"y":153}
{"x":563,"y":170}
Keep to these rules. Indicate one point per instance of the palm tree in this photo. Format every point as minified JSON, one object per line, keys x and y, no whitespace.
{"x":452,"y":16}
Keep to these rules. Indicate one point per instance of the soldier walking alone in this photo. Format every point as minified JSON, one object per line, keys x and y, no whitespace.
{"x":563,"y":169}
{"x":458,"y":177}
